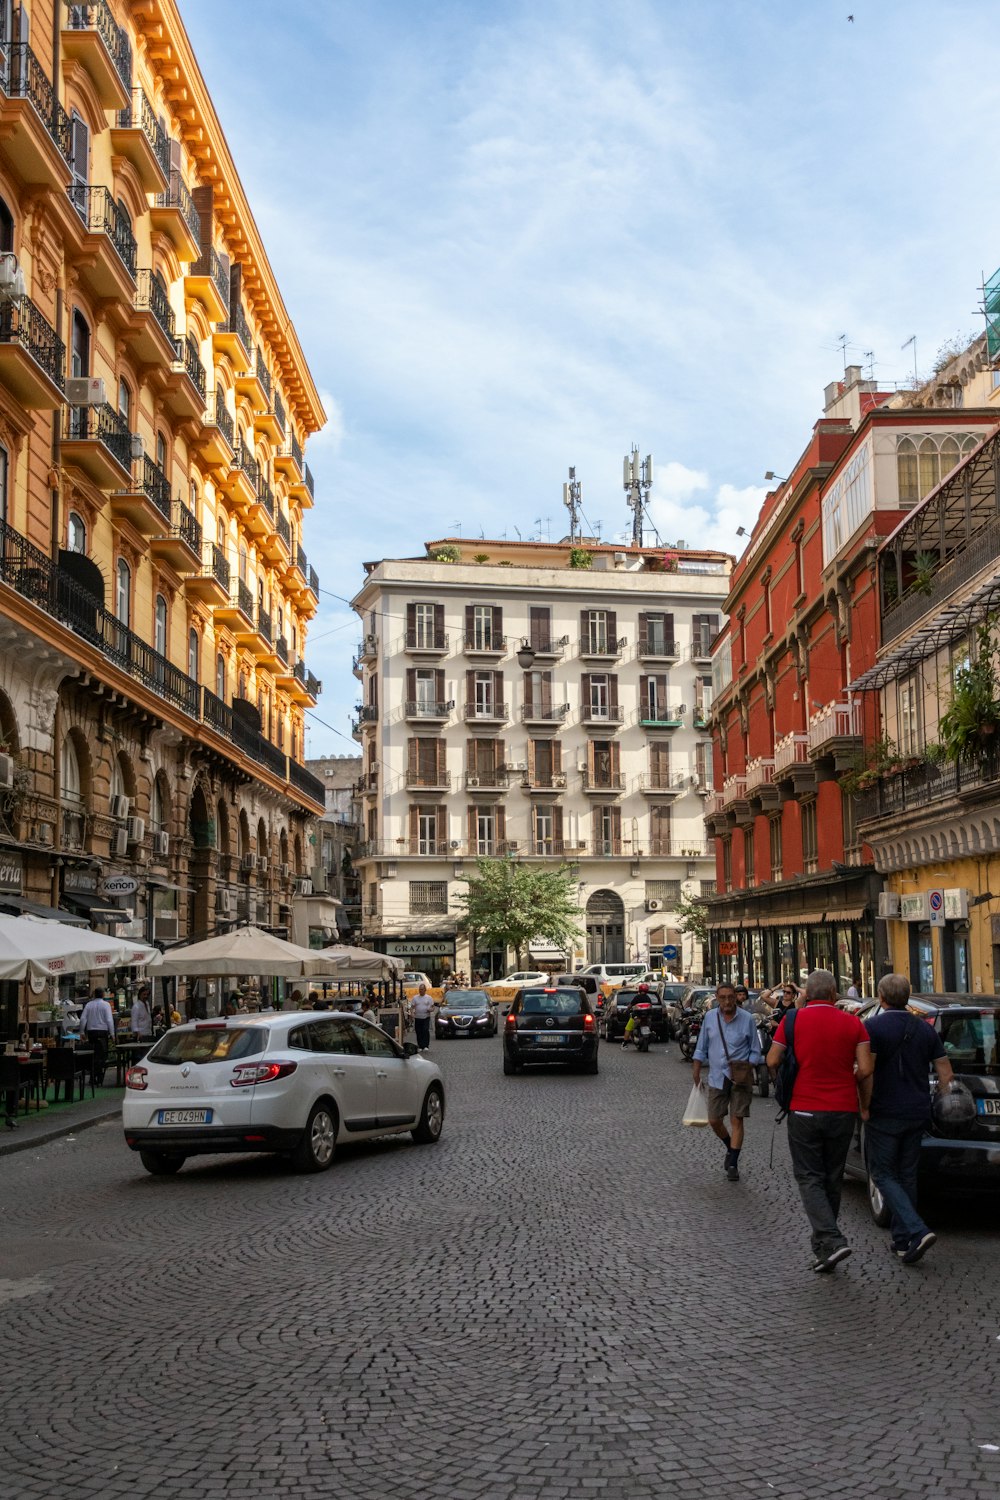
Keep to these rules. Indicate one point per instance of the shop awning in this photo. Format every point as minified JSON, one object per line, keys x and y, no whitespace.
{"x":544,"y":951}
{"x":21,"y":907}
{"x":94,"y":908}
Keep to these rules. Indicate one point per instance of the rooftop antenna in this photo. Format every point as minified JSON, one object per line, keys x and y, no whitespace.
{"x":458,"y":527}
{"x":573,"y":500}
{"x":637,"y":480}
{"x":913,"y":340}
{"x":842,"y":342}
{"x":869,"y":357}
{"x":518,"y":530}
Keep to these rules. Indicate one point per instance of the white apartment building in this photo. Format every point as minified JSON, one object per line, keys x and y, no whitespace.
{"x":523,"y":705}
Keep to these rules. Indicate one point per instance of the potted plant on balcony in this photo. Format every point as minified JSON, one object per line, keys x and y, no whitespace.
{"x":924,"y":566}
{"x":969,"y":724}
{"x":446,"y":554}
{"x":580,"y":557}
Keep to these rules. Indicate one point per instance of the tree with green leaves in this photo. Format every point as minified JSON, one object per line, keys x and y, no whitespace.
{"x":508,"y":903}
{"x":692,"y":917}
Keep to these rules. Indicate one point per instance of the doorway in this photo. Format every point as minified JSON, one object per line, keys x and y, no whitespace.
{"x":605,"y":928}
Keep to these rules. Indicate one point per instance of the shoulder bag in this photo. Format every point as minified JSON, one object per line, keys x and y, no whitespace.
{"x":740,"y":1072}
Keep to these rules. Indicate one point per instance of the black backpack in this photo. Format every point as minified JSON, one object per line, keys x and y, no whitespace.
{"x":784,"y":1078}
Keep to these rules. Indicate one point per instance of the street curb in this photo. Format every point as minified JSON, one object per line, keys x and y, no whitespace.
{"x":9,"y":1145}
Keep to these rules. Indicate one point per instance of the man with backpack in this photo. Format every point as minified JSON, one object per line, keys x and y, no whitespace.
{"x":833,"y":1061}
{"x":900,"y":1111}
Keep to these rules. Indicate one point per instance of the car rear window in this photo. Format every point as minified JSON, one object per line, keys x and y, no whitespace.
{"x":567,"y":1002}
{"x":210,"y":1045}
{"x":619,"y":969}
{"x":970,"y":1040}
{"x":673,"y":991}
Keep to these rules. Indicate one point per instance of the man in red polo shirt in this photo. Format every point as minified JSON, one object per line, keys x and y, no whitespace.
{"x":835,"y":1062}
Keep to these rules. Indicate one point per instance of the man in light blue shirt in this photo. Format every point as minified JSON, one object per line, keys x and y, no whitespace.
{"x":728,"y":1036}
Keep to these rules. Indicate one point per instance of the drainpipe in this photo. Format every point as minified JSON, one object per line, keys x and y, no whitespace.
{"x":54,"y":491}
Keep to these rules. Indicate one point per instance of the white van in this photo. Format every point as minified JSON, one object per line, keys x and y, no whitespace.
{"x":612,"y":976}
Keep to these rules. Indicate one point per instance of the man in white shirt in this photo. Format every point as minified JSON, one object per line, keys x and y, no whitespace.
{"x":140,"y":1021}
{"x":421,"y":1009}
{"x":97,"y":1024}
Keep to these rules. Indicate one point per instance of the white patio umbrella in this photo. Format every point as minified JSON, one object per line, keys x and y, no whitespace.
{"x":245,"y":950}
{"x":35,"y":946}
{"x":343,"y":962}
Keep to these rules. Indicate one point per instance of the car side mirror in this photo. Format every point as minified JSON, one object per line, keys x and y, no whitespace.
{"x":410,"y":1049}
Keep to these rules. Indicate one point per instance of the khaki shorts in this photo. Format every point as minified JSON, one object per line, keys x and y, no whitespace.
{"x":732,"y":1099}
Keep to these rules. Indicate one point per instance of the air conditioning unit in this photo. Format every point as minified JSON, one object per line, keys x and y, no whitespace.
{"x":6,"y":770}
{"x":620,"y":557}
{"x":44,"y":833}
{"x":119,"y":808}
{"x":263,"y":864}
{"x":682,"y":709}
{"x":119,"y":843}
{"x":454,"y":844}
{"x":320,"y":882}
{"x":135,"y":829}
{"x":12,"y":283}
{"x":224,"y":903}
{"x":512,"y":846}
{"x":303,"y":887}
{"x":285,"y":871}
{"x":247,"y":864}
{"x":583,"y":769}
{"x":85,"y":390}
{"x":166,"y":927}
{"x":472,"y":781}
{"x":653,"y":904}
{"x":888,"y":904}
{"x":161,"y":844}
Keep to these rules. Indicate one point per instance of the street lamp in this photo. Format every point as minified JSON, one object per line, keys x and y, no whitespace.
{"x":526,"y":655}
{"x":777,"y":477}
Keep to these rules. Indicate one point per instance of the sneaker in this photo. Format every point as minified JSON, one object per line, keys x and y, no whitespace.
{"x":733,"y":1172}
{"x":917,"y":1249}
{"x":826,"y":1263}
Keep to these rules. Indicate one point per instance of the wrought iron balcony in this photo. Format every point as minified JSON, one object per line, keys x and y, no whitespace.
{"x":179,"y":199}
{"x":96,"y":17}
{"x":310,"y":484}
{"x":602,"y":781}
{"x":281,"y":646}
{"x":189,"y":359}
{"x":301,"y":560}
{"x":141,"y":117}
{"x":313,"y":582}
{"x":23,"y":328}
{"x":244,"y":460}
{"x":428,"y":781}
{"x":418,"y":709}
{"x":544,"y":713}
{"x":485,"y":643}
{"x":547,"y":645}
{"x":492,"y":711}
{"x":27,"y":79}
{"x":282,"y":526}
{"x":661,"y":715}
{"x":664,"y":783}
{"x":103,"y":427}
{"x":223,"y":420}
{"x":663,"y":648}
{"x":265,"y":623}
{"x":602,"y":714}
{"x":151,"y":296}
{"x":240,"y":326}
{"x":263,"y":374}
{"x":431,"y":641}
{"x":602,"y":646}
{"x":188,"y":527}
{"x":494,"y":779}
{"x":101,"y":214}
{"x":279,"y":411}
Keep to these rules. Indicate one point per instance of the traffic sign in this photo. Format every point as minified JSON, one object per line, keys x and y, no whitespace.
{"x":935,"y":905}
{"x":670,"y":950}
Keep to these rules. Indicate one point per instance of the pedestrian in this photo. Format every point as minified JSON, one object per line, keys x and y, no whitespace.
{"x":728,"y":1043}
{"x":140,"y":1020}
{"x":834,"y":1061}
{"x":421,"y":1009}
{"x":97,"y":1023}
{"x":368,"y":1014}
{"x":900,"y":1110}
{"x":854,"y":992}
{"x":788,"y":999}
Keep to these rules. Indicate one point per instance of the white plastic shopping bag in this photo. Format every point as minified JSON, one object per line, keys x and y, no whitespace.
{"x":696,"y":1110}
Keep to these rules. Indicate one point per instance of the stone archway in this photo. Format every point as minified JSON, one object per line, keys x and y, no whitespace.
{"x":605,"y":928}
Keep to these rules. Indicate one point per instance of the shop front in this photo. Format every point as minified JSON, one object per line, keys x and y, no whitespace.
{"x":433,"y":956}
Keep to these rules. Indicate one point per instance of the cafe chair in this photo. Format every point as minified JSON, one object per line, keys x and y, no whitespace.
{"x":12,"y":1082}
{"x":65,"y":1067}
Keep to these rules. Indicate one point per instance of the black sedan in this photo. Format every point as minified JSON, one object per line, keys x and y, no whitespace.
{"x":465,"y":1013}
{"x":967,"y":1159}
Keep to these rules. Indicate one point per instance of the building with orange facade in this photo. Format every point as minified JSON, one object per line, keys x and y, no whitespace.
{"x":155,"y":594}
{"x":797,"y":887}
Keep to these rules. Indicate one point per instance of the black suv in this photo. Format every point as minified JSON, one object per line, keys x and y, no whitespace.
{"x":617,"y":1008}
{"x":547,"y":1025}
{"x":953,"y":1160}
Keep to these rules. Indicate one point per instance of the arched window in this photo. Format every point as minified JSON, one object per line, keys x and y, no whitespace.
{"x":157,"y":810}
{"x":927,"y":458}
{"x":123,"y":592}
{"x":125,"y":401}
{"x":922,"y":463}
{"x":950,"y":455}
{"x":76,"y":533}
{"x":220,"y":677}
{"x":118,"y":787}
{"x":160,"y":626}
{"x":70,"y":785}
{"x":193,"y":497}
{"x":79,"y":345}
{"x":161,"y":453}
{"x":193,"y":654}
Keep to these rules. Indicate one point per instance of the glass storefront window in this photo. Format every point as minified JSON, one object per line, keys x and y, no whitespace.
{"x":786,"y":954}
{"x":866,"y":960}
{"x":821,"y":948}
{"x":801,"y":973}
{"x":845,"y":960}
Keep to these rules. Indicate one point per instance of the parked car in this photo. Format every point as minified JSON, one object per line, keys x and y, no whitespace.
{"x":522,"y":976}
{"x":413,"y":977}
{"x":293,"y":1082}
{"x":546,"y":1025}
{"x":951,"y":1162}
{"x":465,"y":1013}
{"x":616,"y":1013}
{"x":586,"y":982}
{"x":612,"y":976}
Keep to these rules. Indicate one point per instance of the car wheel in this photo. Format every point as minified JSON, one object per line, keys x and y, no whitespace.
{"x":161,"y":1163}
{"x":591,"y":1067}
{"x":315,"y":1150}
{"x":877,"y":1206}
{"x":431,"y":1117}
{"x":509,"y":1066}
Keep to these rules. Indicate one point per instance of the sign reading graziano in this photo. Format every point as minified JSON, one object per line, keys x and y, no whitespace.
{"x":420,"y":947}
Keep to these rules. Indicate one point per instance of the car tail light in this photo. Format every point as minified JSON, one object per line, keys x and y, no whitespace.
{"x":136,"y":1078}
{"x":588,"y":1023}
{"x":250,"y":1073}
{"x":511,"y":1018}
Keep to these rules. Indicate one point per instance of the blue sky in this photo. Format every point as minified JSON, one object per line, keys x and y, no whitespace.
{"x":517,"y":235}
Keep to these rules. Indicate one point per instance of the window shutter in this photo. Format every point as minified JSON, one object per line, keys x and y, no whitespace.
{"x":643,"y":629}
{"x":411,"y":684}
{"x":470,"y":756}
{"x":546,"y":691}
{"x":612,"y":628}
{"x":531,"y":760}
{"x":470,"y":622}
{"x":470,"y":824}
{"x":615,"y":758}
{"x":585,"y":689}
{"x":556,"y":757}
{"x":557,"y":829}
{"x":585,"y":627}
{"x":644,"y":681}
{"x":497,"y":624}
{"x":498,"y":689}
{"x":591,"y":759}
{"x":661,"y":694}
{"x":438,"y":624}
{"x":500,"y":826}
{"x":414,"y":829}
{"x":439,"y":684}
{"x":613,"y":691}
{"x":441,"y":749}
{"x":668,"y":631}
{"x":411,"y":619}
{"x":616,"y":824}
{"x":529,"y":701}
{"x":412,"y":751}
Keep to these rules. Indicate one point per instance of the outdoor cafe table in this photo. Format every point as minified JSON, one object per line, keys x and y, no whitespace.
{"x":32,"y":1069}
{"x":125,"y":1055}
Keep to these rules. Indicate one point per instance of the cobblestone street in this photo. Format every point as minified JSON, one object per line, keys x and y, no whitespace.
{"x":563,"y":1298}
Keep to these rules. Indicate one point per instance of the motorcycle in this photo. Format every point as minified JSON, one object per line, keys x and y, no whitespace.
{"x":765,"y":1034}
{"x":687,"y":1029}
{"x":642,"y":1032}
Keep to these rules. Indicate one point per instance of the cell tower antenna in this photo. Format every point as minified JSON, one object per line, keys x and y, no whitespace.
{"x":572,"y":499}
{"x":637,"y":481}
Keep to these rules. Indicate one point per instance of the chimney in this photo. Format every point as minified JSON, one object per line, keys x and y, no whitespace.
{"x":852,"y":375}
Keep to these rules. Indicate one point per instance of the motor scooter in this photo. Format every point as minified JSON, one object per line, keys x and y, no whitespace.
{"x":687,"y":1030}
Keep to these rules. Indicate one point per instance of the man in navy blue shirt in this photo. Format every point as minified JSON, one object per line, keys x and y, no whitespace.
{"x":900,"y":1110}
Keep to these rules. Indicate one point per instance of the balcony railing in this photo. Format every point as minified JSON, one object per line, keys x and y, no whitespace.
{"x":187,"y":355}
{"x":313,"y":582}
{"x":417,"y":709}
{"x":910,"y":790}
{"x":101,"y":214}
{"x":104,"y":424}
{"x":151,"y":296}
{"x":296,"y":448}
{"x":243,"y":459}
{"x":734,"y":789}
{"x":97,"y":17}
{"x":214,"y":267}
{"x":279,"y":411}
{"x":664,"y":781}
{"x":491,"y":780}
{"x":244,"y":600}
{"x":27,"y":79}
{"x":793,"y":750}
{"x":22,"y":323}
{"x":429,"y":781}
{"x":426,"y":640}
{"x":177,"y":196}
{"x":602,"y":713}
{"x":265,"y":623}
{"x":141,"y":116}
{"x":217,"y":565}
{"x":835,"y":721}
{"x":544,"y":713}
{"x":602,"y":781}
{"x":662,"y":715}
{"x":310,"y":485}
{"x":188,"y":528}
{"x":263,"y":373}
{"x":548,"y":645}
{"x":265,"y":496}
{"x":485,"y":643}
{"x":301,"y":561}
{"x":281,"y":647}
{"x":552,"y":781}
{"x":151,"y":481}
{"x":239,"y":324}
{"x":982,"y":550}
{"x":283,"y":527}
{"x":222,"y":419}
{"x":657,"y":646}
{"x":367,"y":713}
{"x":489,"y":711}
{"x":595,"y":645}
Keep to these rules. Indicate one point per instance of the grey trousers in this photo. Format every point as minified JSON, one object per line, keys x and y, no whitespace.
{"x":819,"y":1144}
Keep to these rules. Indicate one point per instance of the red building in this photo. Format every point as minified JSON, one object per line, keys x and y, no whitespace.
{"x":796,"y":889}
